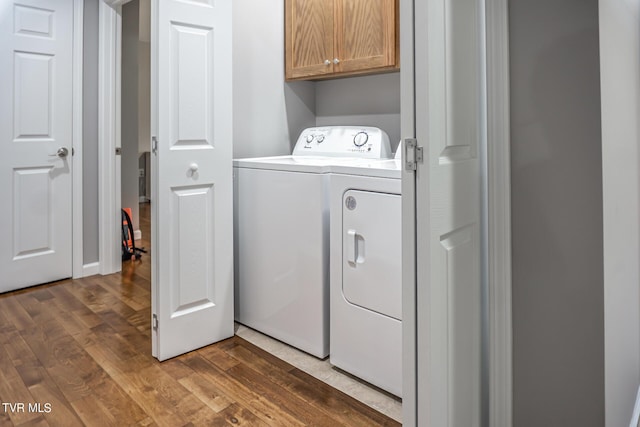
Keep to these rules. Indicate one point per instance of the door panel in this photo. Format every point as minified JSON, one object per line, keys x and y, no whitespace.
{"x":35,"y":121}
{"x":309,"y":40}
{"x":449,"y":124}
{"x":192,"y":210}
{"x":365,"y":34}
{"x":32,"y":201}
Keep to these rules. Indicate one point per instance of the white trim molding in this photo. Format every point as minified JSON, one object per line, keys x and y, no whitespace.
{"x":499,"y":214}
{"x":108,"y":132}
{"x":409,"y":291}
{"x":91,"y":269}
{"x":115,"y":3}
{"x":77,"y":214}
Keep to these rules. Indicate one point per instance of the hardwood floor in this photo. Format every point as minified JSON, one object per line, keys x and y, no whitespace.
{"x":81,"y":349}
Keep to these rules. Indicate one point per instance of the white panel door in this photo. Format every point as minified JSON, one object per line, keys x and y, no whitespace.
{"x":35,"y":124}
{"x":450,"y":125}
{"x":193,"y":203}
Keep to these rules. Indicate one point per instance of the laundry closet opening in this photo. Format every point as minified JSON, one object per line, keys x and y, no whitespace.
{"x":135,"y":128}
{"x":269,"y":114}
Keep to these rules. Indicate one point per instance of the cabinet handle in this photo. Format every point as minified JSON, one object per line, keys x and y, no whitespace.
{"x":327,"y":62}
{"x":336,"y":61}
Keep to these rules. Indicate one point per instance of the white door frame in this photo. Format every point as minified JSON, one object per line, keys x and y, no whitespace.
{"x":109,"y":57}
{"x":78,"y":269}
{"x":499,"y":213}
{"x":499,"y":205}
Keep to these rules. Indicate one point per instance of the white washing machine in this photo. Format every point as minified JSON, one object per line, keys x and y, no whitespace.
{"x":366,"y":272}
{"x":281,"y":233}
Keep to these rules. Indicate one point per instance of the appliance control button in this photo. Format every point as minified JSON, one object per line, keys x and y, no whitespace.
{"x":320,"y":138}
{"x":309,"y":138}
{"x":360,"y":139}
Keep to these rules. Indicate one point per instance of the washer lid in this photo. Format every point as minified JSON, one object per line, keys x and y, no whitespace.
{"x":309,"y":164}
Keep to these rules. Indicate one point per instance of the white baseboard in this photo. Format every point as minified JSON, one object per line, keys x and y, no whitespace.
{"x":137,"y":234}
{"x":90,"y":269}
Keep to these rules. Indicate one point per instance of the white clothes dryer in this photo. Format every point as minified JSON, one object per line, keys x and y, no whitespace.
{"x":281,"y":233}
{"x":366,"y":272}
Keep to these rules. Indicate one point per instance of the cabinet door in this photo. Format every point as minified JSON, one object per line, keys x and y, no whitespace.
{"x":365,"y":34}
{"x":309,"y":38}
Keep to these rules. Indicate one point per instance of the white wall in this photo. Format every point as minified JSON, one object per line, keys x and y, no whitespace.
{"x":620,"y":86}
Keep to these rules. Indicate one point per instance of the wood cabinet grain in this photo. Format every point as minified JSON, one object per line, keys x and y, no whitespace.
{"x":336,"y":38}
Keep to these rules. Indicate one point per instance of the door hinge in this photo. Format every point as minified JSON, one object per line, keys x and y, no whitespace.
{"x":154,"y":322}
{"x":412,"y":155}
{"x":154,"y":145}
{"x":118,"y":151}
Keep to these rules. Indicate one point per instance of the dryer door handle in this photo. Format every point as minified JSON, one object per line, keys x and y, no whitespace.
{"x":352,"y":247}
{"x":355,"y":248}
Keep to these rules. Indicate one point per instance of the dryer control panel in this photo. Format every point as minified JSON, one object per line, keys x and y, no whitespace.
{"x":344,"y":141}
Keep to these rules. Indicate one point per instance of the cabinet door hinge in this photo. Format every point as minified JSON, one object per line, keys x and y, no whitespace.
{"x":154,"y":322}
{"x":412,"y":154}
{"x":154,"y":145}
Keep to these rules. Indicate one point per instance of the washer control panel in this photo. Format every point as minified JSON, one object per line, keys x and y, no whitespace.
{"x":344,"y":141}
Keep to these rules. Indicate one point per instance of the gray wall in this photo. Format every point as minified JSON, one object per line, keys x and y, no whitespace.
{"x":129,"y":109}
{"x":558,"y":326}
{"x":269,"y":114}
{"x":144,"y":77}
{"x":90,"y":132}
{"x":367,"y":100}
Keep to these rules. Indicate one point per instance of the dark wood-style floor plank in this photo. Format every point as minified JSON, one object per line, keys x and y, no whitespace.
{"x":84,"y":347}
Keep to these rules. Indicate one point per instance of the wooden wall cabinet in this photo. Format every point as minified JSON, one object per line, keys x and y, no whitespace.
{"x":335,"y":38}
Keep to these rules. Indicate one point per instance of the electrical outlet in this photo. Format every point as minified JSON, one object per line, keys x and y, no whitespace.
{"x":141,"y":173}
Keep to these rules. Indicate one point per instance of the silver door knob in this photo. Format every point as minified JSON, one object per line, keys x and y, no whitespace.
{"x":62,"y":153}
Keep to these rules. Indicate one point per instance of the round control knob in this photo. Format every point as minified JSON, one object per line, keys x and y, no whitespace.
{"x":309,"y":139}
{"x":320,"y":138}
{"x":360,"y":139}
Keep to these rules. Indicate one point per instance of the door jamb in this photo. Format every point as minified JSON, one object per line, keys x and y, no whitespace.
{"x":77,"y":267}
{"x":110,"y":34}
{"x":499,"y":213}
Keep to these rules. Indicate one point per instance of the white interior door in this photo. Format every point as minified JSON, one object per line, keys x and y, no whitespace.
{"x":450,"y":125}
{"x":35,"y":137}
{"x":192,"y":252}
